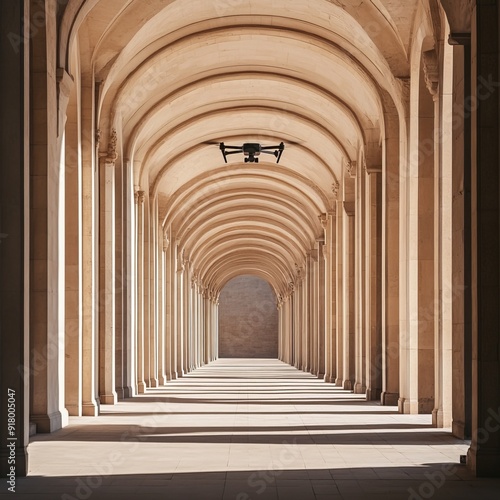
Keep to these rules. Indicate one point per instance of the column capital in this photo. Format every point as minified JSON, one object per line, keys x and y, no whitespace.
{"x":351,"y":168}
{"x":139,"y":197}
{"x":111,"y":155}
{"x":335,"y":190}
{"x":323,"y":219}
{"x":299,"y":273}
{"x":431,"y":71}
{"x":180,"y":261}
{"x":166,"y":240}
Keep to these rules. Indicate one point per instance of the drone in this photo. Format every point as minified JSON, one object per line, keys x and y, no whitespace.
{"x":252,"y":150}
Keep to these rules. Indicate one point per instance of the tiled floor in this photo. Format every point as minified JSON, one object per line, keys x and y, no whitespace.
{"x":249,"y":429}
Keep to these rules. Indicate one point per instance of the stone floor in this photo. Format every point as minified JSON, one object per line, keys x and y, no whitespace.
{"x":249,"y":429}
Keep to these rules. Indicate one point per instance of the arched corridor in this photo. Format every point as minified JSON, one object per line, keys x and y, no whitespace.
{"x":129,"y":204}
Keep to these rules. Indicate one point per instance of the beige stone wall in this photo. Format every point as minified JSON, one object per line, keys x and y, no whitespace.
{"x":248,"y":319}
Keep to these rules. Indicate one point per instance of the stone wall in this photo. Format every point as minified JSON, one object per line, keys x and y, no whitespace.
{"x":248,"y":319}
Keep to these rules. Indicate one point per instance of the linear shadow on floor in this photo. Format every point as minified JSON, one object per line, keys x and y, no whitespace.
{"x":375,"y":434}
{"x":302,"y":412}
{"x":279,"y":481}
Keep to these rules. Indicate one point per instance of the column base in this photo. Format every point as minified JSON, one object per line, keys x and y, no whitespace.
{"x":153,"y":382}
{"x":141,"y":387}
{"x":74,"y":410}
{"x":321,"y":376}
{"x":407,"y":406}
{"x":347,"y":385}
{"x":90,"y":409}
{"x":49,"y":423}
{"x":484,"y":462}
{"x":359,"y":388}
{"x":128,"y":392}
{"x":401,"y":405}
{"x":458,"y":429}
{"x":440,"y":419}
{"x":389,"y":399}
{"x":120,"y":392}
{"x":21,"y":462}
{"x":162,"y":380}
{"x":108,"y":399}
{"x":339,"y":382}
{"x":174,"y":376}
{"x":425,"y":406}
{"x":180,"y":373}
{"x":373,"y":394}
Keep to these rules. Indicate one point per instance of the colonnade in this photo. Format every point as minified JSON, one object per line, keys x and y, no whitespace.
{"x":177,"y":315}
{"x":377,"y":233}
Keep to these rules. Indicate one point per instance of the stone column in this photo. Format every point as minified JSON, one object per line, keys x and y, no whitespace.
{"x":360,"y":284}
{"x":186,"y":319}
{"x":163,"y":245}
{"x":14,"y":239}
{"x":180,"y":311}
{"x":146,"y":291}
{"x":216,"y":324}
{"x":73,"y":258}
{"x":484,"y":453}
{"x":205,"y":328}
{"x":321,"y":308}
{"x":89,"y":237}
{"x":129,"y":281}
{"x":426,"y":247}
{"x":153,"y":293}
{"x":339,"y":292}
{"x":349,"y":331}
{"x":390,"y":264}
{"x":441,"y":414}
{"x":330,"y":285}
{"x":46,"y":230}
{"x":141,"y":384}
{"x":120,"y":286}
{"x":201,"y":334}
{"x":107,"y":251}
{"x":373,"y":290}
{"x":314,"y":308}
{"x":461,"y":240}
{"x":169,"y":307}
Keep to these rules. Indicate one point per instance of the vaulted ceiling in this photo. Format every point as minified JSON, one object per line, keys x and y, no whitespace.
{"x":176,"y":75}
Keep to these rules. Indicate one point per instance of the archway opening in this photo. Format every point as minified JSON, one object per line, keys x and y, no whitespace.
{"x":248,"y":319}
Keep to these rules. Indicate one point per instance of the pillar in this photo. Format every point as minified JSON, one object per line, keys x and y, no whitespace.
{"x":180,"y":310}
{"x":360,"y":285}
{"x":14,"y":239}
{"x":141,"y":383}
{"x":349,"y":324}
{"x":484,"y":454}
{"x":390,"y":263}
{"x":107,"y":252}
{"x":330,"y":285}
{"x":46,"y":232}
{"x":73,"y":256}
{"x":373,"y":283}
{"x":89,"y":254}
{"x":339,"y":292}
